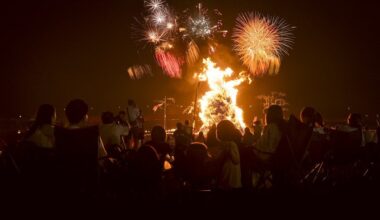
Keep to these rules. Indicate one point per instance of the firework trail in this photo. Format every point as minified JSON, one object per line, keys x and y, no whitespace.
{"x":261,"y":42}
{"x":170,"y":64}
{"x":139,"y":71}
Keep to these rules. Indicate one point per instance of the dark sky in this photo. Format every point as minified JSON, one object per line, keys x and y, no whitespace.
{"x":53,"y":51}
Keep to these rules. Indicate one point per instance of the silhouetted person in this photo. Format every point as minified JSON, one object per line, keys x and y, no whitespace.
{"x":158,"y":141}
{"x":274,"y":151}
{"x":182,"y":142}
{"x":307,"y":116}
{"x":110,"y":132}
{"x":230,"y":175}
{"x":136,"y":121}
{"x":146,"y":173}
{"x":36,"y":158}
{"x":257,"y":130}
{"x":201,"y":138}
{"x":41,"y":132}
{"x":248,"y":138}
{"x":198,"y":167}
{"x":188,"y":129}
{"x":211,"y":140}
{"x":79,"y":149}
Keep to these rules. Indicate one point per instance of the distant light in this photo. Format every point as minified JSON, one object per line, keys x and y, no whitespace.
{"x":19,"y":116}
{"x":18,"y":131}
{"x":169,"y":25}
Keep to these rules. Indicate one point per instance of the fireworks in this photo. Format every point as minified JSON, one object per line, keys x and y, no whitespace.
{"x":220,"y":102}
{"x":192,"y":53}
{"x":166,"y":31}
{"x":154,"y":5}
{"x":139,"y":71}
{"x":170,"y":64}
{"x":261,"y":42}
{"x":201,"y":25}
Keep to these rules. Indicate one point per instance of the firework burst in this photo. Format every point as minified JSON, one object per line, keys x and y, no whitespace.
{"x":202,"y":24}
{"x":170,"y":63}
{"x":154,"y":5}
{"x":261,"y":42}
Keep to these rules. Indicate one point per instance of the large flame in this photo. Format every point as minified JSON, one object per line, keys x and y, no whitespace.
{"x":220,"y":102}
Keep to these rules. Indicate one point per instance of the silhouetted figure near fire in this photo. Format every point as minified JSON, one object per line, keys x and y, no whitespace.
{"x":79,"y":151}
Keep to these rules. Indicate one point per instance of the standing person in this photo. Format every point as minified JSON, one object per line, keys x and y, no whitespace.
{"x":188,"y":129}
{"x":230,"y":175}
{"x":121,"y":120}
{"x":201,"y":138}
{"x":257,"y":130}
{"x":136,"y":121}
{"x":248,"y":137}
{"x":110,"y":132}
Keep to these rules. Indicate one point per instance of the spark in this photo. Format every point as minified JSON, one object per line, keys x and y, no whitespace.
{"x":192,"y":53}
{"x":159,"y":18}
{"x":154,"y":5}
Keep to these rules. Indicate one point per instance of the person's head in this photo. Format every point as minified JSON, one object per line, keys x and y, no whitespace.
{"x":257,"y":126}
{"x":131,"y":102}
{"x":76,"y":111}
{"x":107,"y":118}
{"x":355,"y":120}
{"x":179,"y":126}
{"x":121,"y":115}
{"x":307,"y":115}
{"x":187,"y":122}
{"x":274,"y":114}
{"x":158,"y":134}
{"x":45,"y":115}
{"x":319,"y":120}
{"x":197,"y":152}
{"x":225,"y":131}
{"x":201,"y":134}
{"x":247,"y":130}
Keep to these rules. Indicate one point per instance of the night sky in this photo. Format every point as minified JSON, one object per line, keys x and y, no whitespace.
{"x":53,"y":51}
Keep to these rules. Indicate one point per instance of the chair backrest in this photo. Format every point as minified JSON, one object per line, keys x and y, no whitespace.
{"x":346,"y":145}
{"x":77,"y":154}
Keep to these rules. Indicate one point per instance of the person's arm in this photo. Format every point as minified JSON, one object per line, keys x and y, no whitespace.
{"x":234,"y":154}
{"x":102,"y":153}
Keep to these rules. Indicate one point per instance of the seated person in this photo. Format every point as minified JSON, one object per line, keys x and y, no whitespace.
{"x":110,"y":132}
{"x":79,"y":148}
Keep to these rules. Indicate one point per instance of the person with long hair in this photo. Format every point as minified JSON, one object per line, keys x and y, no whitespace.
{"x":229,"y":177}
{"x":41,"y":133}
{"x":275,"y":125}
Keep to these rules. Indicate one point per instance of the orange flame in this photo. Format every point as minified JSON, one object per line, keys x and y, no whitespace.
{"x":220,"y":102}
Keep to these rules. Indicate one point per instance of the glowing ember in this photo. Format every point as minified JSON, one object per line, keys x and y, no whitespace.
{"x":220,"y":102}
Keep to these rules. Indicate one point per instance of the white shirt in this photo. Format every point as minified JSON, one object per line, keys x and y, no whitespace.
{"x":133,"y":112}
{"x":111,"y":133}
